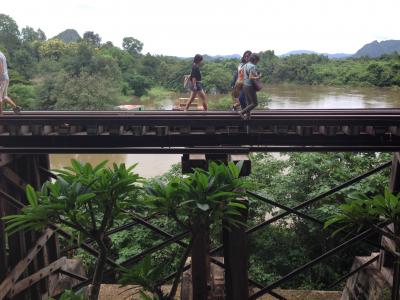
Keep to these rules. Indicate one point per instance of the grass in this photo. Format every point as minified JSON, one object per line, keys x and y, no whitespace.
{"x":158,"y":94}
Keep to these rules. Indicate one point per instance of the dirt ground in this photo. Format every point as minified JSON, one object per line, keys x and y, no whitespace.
{"x":115,"y":292}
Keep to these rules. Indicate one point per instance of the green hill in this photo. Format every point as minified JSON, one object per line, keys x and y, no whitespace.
{"x":68,"y":36}
{"x":376,"y":49}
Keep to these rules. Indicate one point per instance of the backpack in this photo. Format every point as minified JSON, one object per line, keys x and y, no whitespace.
{"x":239,"y":82}
{"x":240,"y":78}
{"x":187,"y":82}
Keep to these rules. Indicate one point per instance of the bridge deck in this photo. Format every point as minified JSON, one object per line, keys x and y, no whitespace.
{"x":215,"y":131}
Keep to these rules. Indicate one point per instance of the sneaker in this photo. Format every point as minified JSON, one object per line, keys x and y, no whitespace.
{"x":17,"y":109}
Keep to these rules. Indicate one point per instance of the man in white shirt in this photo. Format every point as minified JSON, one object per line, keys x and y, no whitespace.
{"x":4,"y":81}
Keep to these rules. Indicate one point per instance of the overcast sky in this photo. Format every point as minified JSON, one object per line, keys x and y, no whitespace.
{"x":187,"y":27}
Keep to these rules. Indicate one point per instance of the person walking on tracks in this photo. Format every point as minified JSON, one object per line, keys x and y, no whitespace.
{"x":251,"y":85}
{"x":197,"y":87}
{"x":4,"y":81}
{"x":237,"y":83}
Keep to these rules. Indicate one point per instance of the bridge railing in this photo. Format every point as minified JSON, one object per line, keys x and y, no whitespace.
{"x":179,"y":132}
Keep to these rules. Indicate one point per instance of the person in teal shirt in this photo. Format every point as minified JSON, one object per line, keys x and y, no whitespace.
{"x":250,"y":74}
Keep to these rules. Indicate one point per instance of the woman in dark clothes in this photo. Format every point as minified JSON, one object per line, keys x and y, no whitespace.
{"x":197,"y":87}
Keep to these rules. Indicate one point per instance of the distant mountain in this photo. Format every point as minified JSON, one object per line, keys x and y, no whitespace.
{"x":337,"y":55}
{"x":376,"y":49}
{"x":298,"y":52}
{"x":207,"y":57}
{"x":230,"y":56}
{"x":334,"y":56}
{"x":68,"y":36}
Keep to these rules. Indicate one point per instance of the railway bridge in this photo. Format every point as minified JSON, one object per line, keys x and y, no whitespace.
{"x":30,"y":261}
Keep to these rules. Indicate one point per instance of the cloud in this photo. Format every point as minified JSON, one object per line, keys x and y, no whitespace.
{"x":180,"y":27}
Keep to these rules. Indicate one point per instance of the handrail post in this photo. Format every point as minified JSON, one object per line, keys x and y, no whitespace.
{"x":236,"y":254}
{"x":234,"y":240}
{"x":394,"y":187}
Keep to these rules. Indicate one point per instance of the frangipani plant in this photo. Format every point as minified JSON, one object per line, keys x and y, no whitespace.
{"x":85,"y":199}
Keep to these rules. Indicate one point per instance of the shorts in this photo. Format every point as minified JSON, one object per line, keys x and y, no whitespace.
{"x":3,"y":89}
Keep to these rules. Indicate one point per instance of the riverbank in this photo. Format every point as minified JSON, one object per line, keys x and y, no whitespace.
{"x":290,"y":96}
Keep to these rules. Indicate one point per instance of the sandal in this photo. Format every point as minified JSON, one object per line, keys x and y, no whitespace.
{"x":17,"y":109}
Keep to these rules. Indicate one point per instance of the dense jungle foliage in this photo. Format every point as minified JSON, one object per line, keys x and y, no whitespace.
{"x":91,"y":74}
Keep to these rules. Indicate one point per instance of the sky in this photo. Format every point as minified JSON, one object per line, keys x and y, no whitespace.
{"x":184,"y":28}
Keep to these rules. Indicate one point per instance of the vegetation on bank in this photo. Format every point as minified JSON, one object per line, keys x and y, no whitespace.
{"x":88,"y":73}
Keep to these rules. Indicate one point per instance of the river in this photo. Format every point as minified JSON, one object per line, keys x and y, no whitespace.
{"x":281,"y":96}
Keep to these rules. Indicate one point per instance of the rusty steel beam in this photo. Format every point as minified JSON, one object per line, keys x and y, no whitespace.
{"x":9,"y":282}
{"x":23,"y":284}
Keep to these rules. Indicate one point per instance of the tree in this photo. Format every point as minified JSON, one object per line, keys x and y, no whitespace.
{"x":28,"y":34}
{"x":195,"y":203}
{"x":138,"y":83}
{"x":291,"y":180}
{"x":25,"y":95}
{"x":132,"y":45}
{"x":92,"y":38}
{"x":85,"y":199}
{"x":107,"y":45}
{"x":9,"y":33}
{"x":41,"y":35}
{"x":86,"y":92}
{"x":24,"y":62}
{"x":52,"y":49}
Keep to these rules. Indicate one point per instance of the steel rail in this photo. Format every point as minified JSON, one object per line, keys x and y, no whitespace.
{"x":307,"y":217}
{"x":311,"y":201}
{"x":293,"y":114}
{"x":354,"y":271}
{"x":193,"y":150}
{"x":212,"y":112}
{"x":321,"y":196}
{"x":311,"y":263}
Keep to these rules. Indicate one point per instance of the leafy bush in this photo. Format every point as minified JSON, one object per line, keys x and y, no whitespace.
{"x":25,"y":95}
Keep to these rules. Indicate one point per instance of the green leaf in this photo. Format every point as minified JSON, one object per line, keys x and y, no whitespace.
{"x":76,"y":165}
{"x":31,"y":195}
{"x":203,"y":207}
{"x":85,"y":197}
